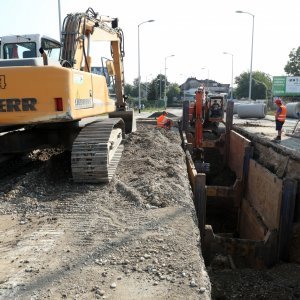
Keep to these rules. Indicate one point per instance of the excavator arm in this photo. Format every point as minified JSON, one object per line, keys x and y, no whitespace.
{"x":78,"y":31}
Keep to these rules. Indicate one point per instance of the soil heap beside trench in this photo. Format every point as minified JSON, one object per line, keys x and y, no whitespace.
{"x":134,"y":238}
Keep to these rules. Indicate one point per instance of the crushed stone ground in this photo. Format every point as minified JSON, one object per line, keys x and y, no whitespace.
{"x":134,"y":238}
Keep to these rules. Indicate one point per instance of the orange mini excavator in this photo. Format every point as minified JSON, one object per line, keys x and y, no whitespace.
{"x":200,"y":123}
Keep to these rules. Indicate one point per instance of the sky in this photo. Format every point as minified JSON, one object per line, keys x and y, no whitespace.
{"x":196,"y":32}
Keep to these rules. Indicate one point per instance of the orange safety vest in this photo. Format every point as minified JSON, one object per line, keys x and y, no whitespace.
{"x":161,"y":121}
{"x":282,"y":116}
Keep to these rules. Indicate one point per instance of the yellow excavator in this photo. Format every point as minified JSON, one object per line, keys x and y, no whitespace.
{"x":47,"y":103}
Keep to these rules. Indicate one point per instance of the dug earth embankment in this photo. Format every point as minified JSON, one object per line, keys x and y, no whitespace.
{"x":134,"y":238}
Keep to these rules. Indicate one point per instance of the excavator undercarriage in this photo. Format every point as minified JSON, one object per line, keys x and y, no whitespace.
{"x":97,"y":150}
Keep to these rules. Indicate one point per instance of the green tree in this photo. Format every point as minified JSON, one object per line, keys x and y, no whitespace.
{"x":152,"y":91}
{"x":128,"y":89}
{"x":292,"y":67}
{"x":261,"y":85}
{"x":259,"y":90}
{"x":134,"y":92}
{"x":156,"y":87}
{"x":173,"y":92}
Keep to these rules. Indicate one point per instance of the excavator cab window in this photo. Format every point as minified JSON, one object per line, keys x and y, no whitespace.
{"x":19,"y":50}
{"x":51,"y":48}
{"x":216,"y":109}
{"x":102,"y":71}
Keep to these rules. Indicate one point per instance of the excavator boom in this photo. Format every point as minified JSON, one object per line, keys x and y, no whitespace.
{"x":75,"y":51}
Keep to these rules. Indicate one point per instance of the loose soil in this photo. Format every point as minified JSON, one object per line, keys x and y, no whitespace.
{"x":134,"y":238}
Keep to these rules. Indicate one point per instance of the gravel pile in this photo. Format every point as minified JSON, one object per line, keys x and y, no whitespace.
{"x":134,"y":238}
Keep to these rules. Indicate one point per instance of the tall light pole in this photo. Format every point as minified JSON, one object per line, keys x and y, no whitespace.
{"x":165,"y":91}
{"x":59,"y":19}
{"x":250,"y":80}
{"x":231,"y":73}
{"x":139,"y":64}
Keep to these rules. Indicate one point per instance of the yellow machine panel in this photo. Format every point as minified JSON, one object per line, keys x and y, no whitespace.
{"x":46,"y":97}
{"x":46,"y":94}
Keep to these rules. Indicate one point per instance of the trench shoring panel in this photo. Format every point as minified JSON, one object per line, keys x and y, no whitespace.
{"x":264,"y":193}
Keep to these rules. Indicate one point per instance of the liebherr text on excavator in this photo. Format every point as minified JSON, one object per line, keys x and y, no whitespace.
{"x":42,"y":100}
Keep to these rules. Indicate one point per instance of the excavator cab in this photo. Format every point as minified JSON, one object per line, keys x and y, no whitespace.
{"x":215,"y":108}
{"x":26,"y":46}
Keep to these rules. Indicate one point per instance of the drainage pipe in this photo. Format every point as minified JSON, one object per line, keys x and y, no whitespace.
{"x":292,"y":109}
{"x":255,"y":110}
{"x":235,"y":106}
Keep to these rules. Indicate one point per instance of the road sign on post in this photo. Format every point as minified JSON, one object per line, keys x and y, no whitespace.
{"x":286,"y":86}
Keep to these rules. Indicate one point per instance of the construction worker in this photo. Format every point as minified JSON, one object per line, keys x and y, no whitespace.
{"x":215,"y":109}
{"x":280,"y":117}
{"x":163,"y":121}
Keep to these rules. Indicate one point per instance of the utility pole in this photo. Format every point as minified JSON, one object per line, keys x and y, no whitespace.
{"x":59,"y":19}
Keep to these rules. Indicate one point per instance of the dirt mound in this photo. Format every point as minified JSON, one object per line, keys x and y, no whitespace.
{"x":159,"y":113}
{"x":161,"y":156}
{"x":134,"y":238}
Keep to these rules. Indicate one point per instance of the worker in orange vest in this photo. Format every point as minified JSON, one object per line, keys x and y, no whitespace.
{"x":163,"y":121}
{"x":280,"y":117}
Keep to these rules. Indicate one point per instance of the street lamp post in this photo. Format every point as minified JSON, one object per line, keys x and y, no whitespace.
{"x":250,"y":80}
{"x":231,"y":73}
{"x":139,"y":64}
{"x":165,"y":91}
{"x":59,"y":19}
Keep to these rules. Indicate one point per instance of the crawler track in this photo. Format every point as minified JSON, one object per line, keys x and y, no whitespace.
{"x":97,"y":150}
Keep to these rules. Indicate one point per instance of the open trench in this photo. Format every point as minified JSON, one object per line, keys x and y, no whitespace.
{"x":220,"y":175}
{"x":248,"y":203}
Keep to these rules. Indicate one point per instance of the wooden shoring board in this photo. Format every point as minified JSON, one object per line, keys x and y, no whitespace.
{"x":264,"y":193}
{"x":200,"y":203}
{"x":192,"y":172}
{"x":251,"y":225}
{"x":238,"y":150}
{"x":257,"y":253}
